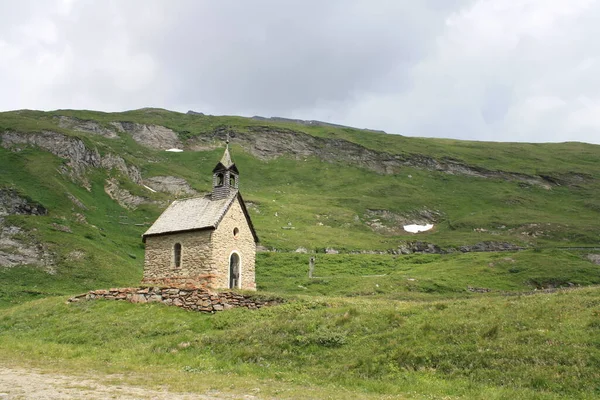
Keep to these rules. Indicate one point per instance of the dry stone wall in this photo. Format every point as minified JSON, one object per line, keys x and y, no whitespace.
{"x":200,"y":300}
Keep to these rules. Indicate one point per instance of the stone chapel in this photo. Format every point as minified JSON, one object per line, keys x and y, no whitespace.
{"x":205,"y":241}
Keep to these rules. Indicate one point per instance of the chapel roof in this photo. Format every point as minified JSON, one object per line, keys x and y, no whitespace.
{"x":226,"y":162}
{"x":196,"y":213}
{"x":226,"y":159}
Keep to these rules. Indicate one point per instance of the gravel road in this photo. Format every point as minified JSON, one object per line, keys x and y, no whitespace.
{"x":21,"y":383}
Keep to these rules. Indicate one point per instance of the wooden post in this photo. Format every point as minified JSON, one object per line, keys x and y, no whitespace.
{"x":311,"y":267}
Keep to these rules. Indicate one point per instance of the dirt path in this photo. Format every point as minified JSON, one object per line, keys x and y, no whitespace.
{"x":21,"y":383}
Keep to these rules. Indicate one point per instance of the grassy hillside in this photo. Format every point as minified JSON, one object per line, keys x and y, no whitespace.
{"x":101,"y":247}
{"x":294,"y":201}
{"x":373,"y":322}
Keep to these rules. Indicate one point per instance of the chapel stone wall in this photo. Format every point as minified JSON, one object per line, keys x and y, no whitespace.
{"x":225,"y":242}
{"x":196,"y":263}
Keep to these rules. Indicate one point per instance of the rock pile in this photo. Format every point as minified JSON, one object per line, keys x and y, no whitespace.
{"x":201,"y":300}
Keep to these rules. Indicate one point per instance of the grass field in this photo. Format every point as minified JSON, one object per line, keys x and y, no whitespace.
{"x":410,"y":277}
{"x":370,"y":326}
{"x":541,"y":346}
{"x":367,"y":325}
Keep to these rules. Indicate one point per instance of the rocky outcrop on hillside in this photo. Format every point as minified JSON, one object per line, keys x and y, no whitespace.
{"x":489,"y":246}
{"x":430,"y":248}
{"x":595,"y":258}
{"x":111,"y":161}
{"x":11,"y":203}
{"x":17,"y":249}
{"x":76,"y":202}
{"x":86,"y":126}
{"x":266,"y":143}
{"x":390,"y":223}
{"x":72,"y":149}
{"x":152,"y":136}
{"x":170,"y":184}
{"x":123,"y":196}
{"x":416,"y":247}
{"x":79,"y":157}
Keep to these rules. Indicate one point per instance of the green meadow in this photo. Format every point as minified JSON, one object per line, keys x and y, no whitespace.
{"x":543,"y":346}
{"x":371,"y":323}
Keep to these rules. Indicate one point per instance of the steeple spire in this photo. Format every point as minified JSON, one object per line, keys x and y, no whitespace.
{"x":226,"y":159}
{"x":225,"y":175}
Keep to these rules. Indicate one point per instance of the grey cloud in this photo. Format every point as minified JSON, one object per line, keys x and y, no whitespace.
{"x":472,"y":69}
{"x":280,"y":56}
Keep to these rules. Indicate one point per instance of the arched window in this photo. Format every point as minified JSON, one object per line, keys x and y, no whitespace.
{"x":220,"y":179}
{"x":234,"y":271}
{"x":177,"y":255}
{"x":232,"y":180}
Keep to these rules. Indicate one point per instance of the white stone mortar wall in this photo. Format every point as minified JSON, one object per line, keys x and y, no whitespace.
{"x":224,"y":243}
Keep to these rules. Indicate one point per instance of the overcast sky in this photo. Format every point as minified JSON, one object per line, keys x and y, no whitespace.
{"x":502,"y":70}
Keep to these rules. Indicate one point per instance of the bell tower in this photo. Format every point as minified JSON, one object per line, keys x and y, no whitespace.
{"x":225,"y":176}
